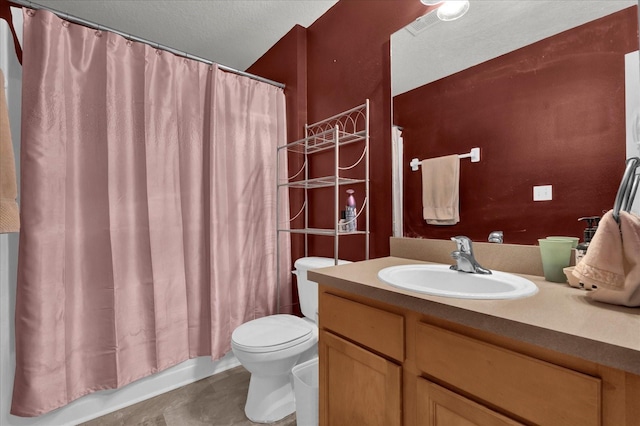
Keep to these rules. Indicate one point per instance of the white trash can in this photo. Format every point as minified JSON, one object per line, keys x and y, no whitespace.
{"x":305,"y":387}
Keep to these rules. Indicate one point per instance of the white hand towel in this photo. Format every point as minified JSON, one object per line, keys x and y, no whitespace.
{"x":440,"y":190}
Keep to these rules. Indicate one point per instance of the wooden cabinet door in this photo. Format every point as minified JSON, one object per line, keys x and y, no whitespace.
{"x":517,"y":383}
{"x":438,"y":406}
{"x":357,"y":387}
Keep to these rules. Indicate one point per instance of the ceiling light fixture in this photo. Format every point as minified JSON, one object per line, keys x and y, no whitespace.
{"x":431,"y":2}
{"x":452,"y":9}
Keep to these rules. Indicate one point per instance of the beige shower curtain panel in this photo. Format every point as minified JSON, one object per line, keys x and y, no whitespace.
{"x":148,"y":210}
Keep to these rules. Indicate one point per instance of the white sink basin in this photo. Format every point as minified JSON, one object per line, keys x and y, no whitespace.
{"x":439,"y":280}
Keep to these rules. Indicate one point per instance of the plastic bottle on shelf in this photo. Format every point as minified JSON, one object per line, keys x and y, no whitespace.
{"x":342,"y":224}
{"x":351,"y":212}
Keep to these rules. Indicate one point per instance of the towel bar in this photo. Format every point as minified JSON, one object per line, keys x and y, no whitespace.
{"x":474,"y":154}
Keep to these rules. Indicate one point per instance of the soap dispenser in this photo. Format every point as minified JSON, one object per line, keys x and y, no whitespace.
{"x":589,"y":232}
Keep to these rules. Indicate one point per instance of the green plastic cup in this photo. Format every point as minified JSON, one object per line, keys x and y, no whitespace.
{"x":574,"y":240}
{"x":556,"y":255}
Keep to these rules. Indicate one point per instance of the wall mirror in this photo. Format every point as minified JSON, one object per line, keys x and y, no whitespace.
{"x":539,"y":86}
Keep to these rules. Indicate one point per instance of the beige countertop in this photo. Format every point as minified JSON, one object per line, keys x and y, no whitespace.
{"x":558,"y":317}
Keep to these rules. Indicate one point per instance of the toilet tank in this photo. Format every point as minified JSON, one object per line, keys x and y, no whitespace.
{"x":308,"y":290}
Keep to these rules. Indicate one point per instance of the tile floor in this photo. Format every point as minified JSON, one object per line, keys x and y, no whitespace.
{"x":215,"y":401}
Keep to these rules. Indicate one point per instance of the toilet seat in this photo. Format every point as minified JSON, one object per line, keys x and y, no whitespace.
{"x":271,"y":333}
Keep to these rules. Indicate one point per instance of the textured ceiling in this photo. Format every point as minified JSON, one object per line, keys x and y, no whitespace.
{"x":489,"y":29}
{"x":229,"y":32}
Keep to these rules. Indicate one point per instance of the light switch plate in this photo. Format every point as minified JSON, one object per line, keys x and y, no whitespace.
{"x":542,"y":193}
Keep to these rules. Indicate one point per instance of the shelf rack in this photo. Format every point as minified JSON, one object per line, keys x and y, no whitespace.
{"x":329,"y":135}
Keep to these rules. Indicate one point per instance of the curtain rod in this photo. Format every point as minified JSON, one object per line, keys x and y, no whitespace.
{"x":75,"y":19}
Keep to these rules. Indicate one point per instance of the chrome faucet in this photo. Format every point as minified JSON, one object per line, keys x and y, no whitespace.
{"x":496,"y":237}
{"x":465,"y":262}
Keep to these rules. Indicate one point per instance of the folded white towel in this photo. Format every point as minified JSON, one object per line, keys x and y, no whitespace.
{"x":440,"y":190}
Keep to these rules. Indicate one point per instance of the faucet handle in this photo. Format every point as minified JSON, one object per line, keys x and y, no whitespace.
{"x":463,"y":243}
{"x":496,"y":237}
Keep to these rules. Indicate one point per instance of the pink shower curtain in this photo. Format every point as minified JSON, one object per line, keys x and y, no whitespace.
{"x":148,"y":211}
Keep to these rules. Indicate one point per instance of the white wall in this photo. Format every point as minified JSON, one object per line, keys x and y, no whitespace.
{"x":632,"y":97}
{"x":99,"y":403}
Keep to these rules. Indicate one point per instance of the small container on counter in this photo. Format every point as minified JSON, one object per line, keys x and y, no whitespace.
{"x":589,"y":232}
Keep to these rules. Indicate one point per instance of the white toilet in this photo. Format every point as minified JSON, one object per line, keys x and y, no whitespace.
{"x":270,"y":347}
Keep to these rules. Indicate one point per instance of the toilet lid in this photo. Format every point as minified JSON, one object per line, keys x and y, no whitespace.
{"x":272,"y":333}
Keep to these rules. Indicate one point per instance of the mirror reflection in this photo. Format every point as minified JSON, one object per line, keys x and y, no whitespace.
{"x":539,"y":86}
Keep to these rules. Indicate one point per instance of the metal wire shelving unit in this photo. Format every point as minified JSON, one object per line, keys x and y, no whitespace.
{"x":330,"y":135}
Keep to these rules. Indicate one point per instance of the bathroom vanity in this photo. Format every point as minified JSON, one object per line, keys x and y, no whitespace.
{"x":394,"y":357}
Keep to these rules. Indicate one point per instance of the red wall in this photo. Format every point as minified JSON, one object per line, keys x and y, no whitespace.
{"x":347,"y":61}
{"x":552,"y":113}
{"x":286,"y":62}
{"x":569,"y":132}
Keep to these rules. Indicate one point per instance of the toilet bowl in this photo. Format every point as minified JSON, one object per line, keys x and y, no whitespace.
{"x":271,"y":346}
